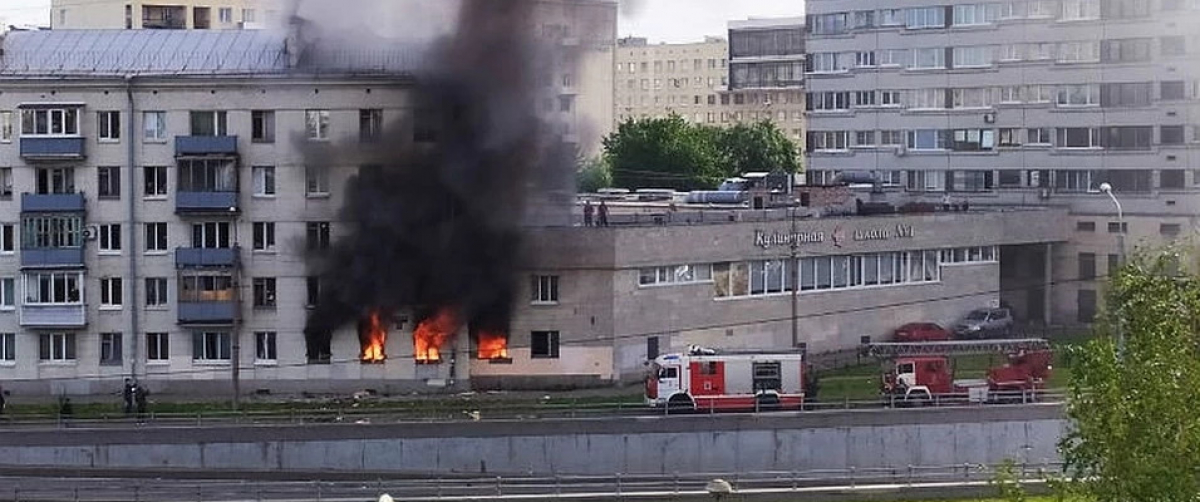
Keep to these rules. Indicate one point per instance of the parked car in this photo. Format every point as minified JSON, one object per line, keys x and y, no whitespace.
{"x":921,"y":332}
{"x":985,"y":323}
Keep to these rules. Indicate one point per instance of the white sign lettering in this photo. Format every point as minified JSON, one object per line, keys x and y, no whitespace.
{"x":767,"y":240}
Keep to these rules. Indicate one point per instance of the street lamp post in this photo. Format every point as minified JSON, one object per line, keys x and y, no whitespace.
{"x":1108,"y":190}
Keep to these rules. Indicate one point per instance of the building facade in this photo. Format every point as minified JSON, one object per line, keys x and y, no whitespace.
{"x":582,"y":79}
{"x":658,"y":281}
{"x":693,"y":81}
{"x":180,"y":15}
{"x":1017,"y":102}
{"x":158,"y":209}
{"x":654,"y":80}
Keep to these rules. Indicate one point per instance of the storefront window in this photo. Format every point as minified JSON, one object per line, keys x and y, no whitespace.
{"x":767,"y":277}
{"x":824,"y":272}
{"x":721,"y":280}
{"x":739,"y":279}
{"x":757,"y":278}
{"x":840,"y":271}
{"x":932,"y":271}
{"x":774,"y":271}
{"x":870,"y":272}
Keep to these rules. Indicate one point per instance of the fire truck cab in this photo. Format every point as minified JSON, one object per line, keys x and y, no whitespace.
{"x":709,"y":380}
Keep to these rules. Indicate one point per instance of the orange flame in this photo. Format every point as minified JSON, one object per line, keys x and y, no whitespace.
{"x":432,"y":333}
{"x":491,"y":345}
{"x":373,"y":336}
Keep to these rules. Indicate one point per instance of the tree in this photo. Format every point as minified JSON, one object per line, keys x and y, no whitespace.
{"x":757,"y":147}
{"x":663,"y":153}
{"x":593,"y":175}
{"x":1135,"y":432}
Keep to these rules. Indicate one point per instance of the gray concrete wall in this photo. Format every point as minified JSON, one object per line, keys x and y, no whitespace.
{"x":650,"y":445}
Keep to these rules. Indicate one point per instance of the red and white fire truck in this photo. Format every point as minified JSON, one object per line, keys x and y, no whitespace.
{"x":711,"y":380}
{"x":923,"y":370}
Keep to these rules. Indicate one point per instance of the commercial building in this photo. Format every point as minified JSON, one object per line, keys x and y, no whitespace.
{"x":603,"y":300}
{"x":1028,"y":102}
{"x":173,"y":15}
{"x":701,"y":83}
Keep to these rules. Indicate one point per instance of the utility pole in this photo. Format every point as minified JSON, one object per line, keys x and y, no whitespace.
{"x":794,"y":271}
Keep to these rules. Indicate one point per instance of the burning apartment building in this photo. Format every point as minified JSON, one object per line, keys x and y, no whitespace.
{"x":322,"y":208}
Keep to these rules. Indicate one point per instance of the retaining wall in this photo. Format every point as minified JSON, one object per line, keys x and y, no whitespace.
{"x":652,"y":445}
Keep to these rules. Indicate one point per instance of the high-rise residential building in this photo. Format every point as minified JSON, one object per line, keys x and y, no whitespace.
{"x":766,"y":73}
{"x":173,"y":15}
{"x":767,"y":53}
{"x":654,"y":80}
{"x":581,"y":79}
{"x":1035,"y":102}
{"x":693,"y":81}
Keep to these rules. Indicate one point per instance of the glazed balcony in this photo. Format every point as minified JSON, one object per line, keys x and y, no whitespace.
{"x":52,"y":148}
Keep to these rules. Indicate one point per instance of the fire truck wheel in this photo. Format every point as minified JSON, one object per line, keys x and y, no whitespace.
{"x":767,"y":402}
{"x":680,"y":403}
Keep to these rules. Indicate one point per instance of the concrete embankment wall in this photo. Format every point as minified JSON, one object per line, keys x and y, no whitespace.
{"x":654,"y":445}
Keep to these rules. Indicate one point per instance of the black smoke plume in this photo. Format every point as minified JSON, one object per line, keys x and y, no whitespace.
{"x":435,"y":219}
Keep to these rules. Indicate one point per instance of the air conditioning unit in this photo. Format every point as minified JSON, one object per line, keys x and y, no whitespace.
{"x":1044,"y":193}
{"x":989,"y":118}
{"x":901,"y":151}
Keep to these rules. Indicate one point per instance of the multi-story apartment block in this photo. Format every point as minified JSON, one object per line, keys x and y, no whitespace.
{"x":767,"y":53}
{"x":581,"y":78}
{"x":693,"y":80}
{"x":766,"y":73}
{"x":158,"y":209}
{"x":654,"y":80}
{"x":174,"y":15}
{"x":1018,"y":102}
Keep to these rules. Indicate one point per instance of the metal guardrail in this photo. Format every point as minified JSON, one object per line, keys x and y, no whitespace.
{"x":486,"y":411}
{"x":481,"y":487}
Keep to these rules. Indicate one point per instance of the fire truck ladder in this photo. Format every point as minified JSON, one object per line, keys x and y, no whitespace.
{"x":955,"y":348}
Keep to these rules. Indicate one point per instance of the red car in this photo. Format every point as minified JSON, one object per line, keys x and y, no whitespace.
{"x":921,"y":332}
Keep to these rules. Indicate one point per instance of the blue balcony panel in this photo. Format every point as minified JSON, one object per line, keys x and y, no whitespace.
{"x":54,"y":316}
{"x":206,"y":257}
{"x":52,"y":203}
{"x":52,"y":258}
{"x":52,"y":148}
{"x":207,"y":312}
{"x":206,"y":202}
{"x":205,"y":145}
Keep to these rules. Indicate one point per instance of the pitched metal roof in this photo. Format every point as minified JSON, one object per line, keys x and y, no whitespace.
{"x":94,"y":53}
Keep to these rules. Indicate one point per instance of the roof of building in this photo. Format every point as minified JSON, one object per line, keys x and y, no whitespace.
{"x":767,"y":22}
{"x":93,"y":53}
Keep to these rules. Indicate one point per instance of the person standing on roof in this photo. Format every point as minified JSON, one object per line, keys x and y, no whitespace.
{"x":603,"y":214}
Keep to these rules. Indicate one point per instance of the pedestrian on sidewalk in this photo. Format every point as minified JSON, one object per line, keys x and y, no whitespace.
{"x":588,"y":210}
{"x":139,"y":396}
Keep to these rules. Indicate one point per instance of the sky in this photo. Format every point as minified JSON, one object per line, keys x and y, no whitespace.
{"x":679,"y":21}
{"x":25,"y":11}
{"x":659,"y":20}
